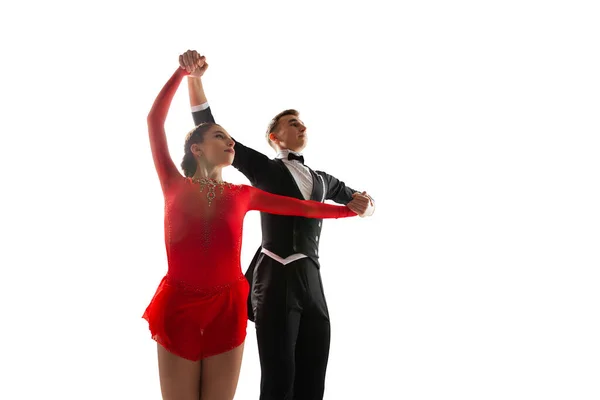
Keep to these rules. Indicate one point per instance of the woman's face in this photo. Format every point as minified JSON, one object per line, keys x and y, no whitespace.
{"x":217,"y":147}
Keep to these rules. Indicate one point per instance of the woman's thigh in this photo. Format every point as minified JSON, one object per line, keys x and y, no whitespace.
{"x":179,"y":377}
{"x":220,"y":375}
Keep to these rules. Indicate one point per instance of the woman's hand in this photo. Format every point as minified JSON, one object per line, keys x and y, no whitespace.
{"x":360,"y":203}
{"x":193,"y":63}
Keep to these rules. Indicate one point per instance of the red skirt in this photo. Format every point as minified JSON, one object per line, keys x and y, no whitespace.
{"x":195,"y":324}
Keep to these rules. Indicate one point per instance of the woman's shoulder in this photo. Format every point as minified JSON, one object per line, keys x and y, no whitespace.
{"x":242,"y":187}
{"x":236,"y":187}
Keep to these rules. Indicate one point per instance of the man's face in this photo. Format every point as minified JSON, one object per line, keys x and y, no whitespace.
{"x":290,"y":134}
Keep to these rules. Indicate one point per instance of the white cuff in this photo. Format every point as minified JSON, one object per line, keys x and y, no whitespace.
{"x":201,"y":107}
{"x":370,"y":209}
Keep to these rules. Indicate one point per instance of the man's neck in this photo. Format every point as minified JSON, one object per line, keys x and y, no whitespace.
{"x":286,"y":151}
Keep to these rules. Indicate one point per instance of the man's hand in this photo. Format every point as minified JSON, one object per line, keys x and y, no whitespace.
{"x":193,"y":63}
{"x":360,"y":203}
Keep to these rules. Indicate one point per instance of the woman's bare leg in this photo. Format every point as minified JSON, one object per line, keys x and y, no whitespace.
{"x":179,"y":378}
{"x":220,"y":375}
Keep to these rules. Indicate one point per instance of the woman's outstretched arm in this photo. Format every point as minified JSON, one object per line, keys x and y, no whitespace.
{"x":165,"y":167}
{"x":283,"y":205}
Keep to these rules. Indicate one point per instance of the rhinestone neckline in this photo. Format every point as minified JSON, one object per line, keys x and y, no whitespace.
{"x":212,"y":184}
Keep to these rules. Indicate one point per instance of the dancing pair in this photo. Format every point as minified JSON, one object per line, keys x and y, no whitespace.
{"x":199,"y":313}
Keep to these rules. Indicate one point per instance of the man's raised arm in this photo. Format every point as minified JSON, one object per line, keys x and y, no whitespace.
{"x":196,"y":65}
{"x":251,"y":163}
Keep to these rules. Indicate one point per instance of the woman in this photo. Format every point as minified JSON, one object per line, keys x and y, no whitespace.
{"x":198,"y":314}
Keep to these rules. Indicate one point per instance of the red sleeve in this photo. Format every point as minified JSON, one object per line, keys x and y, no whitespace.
{"x":156,"y":128}
{"x":283,"y":205}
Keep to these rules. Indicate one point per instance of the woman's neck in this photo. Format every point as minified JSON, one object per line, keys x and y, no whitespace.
{"x":213,"y":173}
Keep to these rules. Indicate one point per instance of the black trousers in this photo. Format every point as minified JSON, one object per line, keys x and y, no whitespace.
{"x":292,"y":329}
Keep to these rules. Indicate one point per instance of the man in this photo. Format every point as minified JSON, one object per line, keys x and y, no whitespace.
{"x":287,"y":301}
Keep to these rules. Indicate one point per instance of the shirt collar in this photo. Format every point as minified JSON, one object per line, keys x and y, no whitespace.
{"x":283,"y":154}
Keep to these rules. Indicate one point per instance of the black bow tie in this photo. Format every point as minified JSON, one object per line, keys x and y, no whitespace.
{"x":292,"y":156}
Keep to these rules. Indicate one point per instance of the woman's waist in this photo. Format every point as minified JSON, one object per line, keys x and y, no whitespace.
{"x":202,"y":284}
{"x":199,"y":249}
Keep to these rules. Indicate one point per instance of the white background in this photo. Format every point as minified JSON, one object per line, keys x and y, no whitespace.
{"x":474,"y":125}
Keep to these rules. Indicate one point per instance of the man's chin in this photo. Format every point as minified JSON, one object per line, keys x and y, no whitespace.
{"x":299,"y":147}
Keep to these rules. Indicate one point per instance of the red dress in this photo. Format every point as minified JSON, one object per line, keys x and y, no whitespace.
{"x":199,"y":308}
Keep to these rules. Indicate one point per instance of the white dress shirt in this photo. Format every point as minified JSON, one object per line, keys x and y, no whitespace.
{"x":299,"y":171}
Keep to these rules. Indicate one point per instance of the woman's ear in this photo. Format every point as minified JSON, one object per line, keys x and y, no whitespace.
{"x":196,"y":150}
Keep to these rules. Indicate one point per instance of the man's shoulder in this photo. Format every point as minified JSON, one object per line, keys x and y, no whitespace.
{"x":320,"y":172}
{"x":266,"y":173}
{"x":268,"y":162}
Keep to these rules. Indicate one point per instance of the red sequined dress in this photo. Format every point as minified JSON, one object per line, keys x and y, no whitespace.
{"x":199,"y":308}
